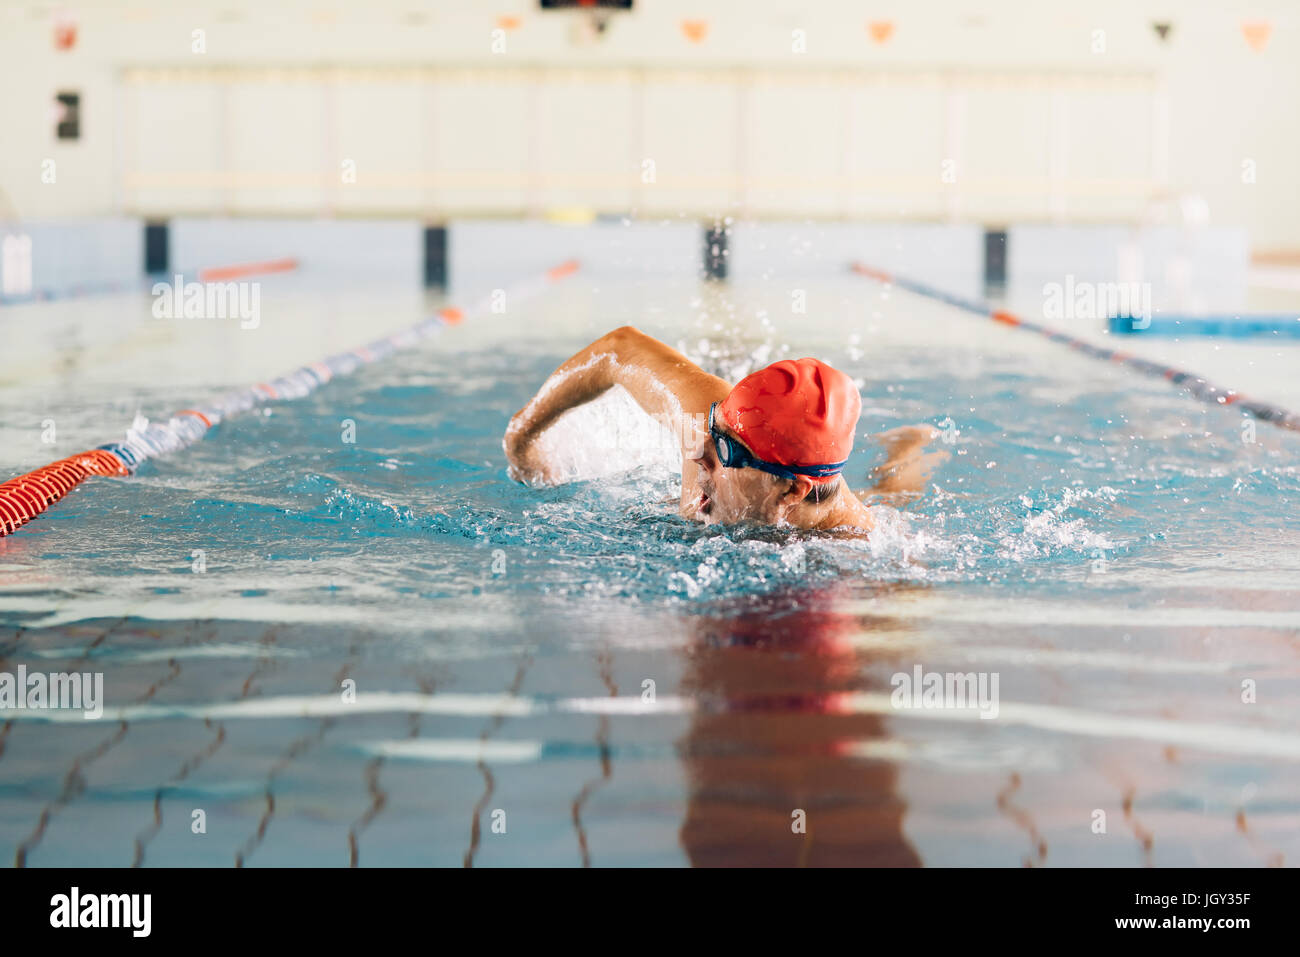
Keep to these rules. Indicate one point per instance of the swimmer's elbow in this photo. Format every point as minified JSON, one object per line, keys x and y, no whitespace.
{"x":625,"y":337}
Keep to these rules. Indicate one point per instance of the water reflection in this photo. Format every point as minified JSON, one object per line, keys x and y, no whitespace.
{"x":772,"y":737}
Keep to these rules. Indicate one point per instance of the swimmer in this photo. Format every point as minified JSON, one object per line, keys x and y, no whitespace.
{"x":771,"y":450}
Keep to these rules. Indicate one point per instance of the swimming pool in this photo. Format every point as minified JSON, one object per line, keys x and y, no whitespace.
{"x":575,"y":675}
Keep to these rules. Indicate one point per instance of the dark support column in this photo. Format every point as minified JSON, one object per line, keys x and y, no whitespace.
{"x":435,"y":256}
{"x":157,"y":256}
{"x":995,"y":259}
{"x":715,"y":250}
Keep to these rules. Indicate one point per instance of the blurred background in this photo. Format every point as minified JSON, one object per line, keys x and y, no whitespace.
{"x":1138,"y":116}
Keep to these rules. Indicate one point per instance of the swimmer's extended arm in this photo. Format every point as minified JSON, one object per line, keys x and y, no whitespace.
{"x":663,"y":382}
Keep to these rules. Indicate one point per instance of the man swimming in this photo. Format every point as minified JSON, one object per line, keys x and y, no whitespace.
{"x":770,"y":450}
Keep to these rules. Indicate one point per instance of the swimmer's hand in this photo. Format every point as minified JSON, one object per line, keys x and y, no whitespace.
{"x":907,"y":468}
{"x":526,"y":464}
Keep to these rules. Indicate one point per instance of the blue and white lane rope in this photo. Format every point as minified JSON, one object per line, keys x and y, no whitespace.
{"x":1196,"y":385}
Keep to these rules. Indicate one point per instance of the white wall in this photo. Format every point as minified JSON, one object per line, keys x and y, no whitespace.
{"x":1188,"y":270}
{"x":615,"y":250}
{"x":950,"y":257}
{"x":1039,"y":126}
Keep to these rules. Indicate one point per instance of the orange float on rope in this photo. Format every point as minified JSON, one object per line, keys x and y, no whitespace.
{"x":198,"y":415}
{"x":24,"y":497}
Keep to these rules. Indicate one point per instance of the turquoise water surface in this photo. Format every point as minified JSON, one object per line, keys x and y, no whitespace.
{"x":576,"y":675}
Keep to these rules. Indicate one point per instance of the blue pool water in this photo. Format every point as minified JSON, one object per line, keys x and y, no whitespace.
{"x":576,"y":675}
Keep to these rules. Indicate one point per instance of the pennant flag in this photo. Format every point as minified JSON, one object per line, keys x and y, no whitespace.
{"x":881,"y":30}
{"x":65,"y":31}
{"x":695,"y":30}
{"x":1162,"y":29}
{"x":508,"y":23}
{"x":1257,"y":33}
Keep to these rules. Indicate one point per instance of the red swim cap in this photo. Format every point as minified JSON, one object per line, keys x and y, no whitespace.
{"x":795,"y":412}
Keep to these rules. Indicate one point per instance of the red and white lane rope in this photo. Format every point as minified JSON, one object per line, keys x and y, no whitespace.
{"x":28,"y":495}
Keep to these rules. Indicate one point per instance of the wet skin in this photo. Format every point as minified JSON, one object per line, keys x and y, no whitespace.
{"x":677,"y":392}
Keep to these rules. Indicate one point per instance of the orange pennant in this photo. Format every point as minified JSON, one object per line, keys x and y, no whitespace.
{"x":508,"y":23}
{"x":881,"y":30}
{"x":695,"y":30}
{"x":65,"y":31}
{"x":1257,"y":33}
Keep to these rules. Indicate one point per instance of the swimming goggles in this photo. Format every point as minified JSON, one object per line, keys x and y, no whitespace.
{"x":733,"y":455}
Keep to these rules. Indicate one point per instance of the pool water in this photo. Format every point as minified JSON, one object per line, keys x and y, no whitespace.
{"x":577,"y":676}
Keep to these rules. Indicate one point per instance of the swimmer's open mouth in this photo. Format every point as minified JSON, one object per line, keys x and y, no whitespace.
{"x":704,"y":505}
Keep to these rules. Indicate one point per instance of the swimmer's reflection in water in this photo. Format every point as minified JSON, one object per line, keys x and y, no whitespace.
{"x":770,"y":450}
{"x":780,"y":769}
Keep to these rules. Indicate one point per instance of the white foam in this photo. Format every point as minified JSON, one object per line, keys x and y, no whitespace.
{"x":608,"y":436}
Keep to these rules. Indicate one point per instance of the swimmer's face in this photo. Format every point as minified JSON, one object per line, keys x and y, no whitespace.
{"x":733,"y":495}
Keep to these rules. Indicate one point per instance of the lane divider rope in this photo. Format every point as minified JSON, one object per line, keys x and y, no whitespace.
{"x":104,"y":287}
{"x":24,"y":497}
{"x":1196,"y":385}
